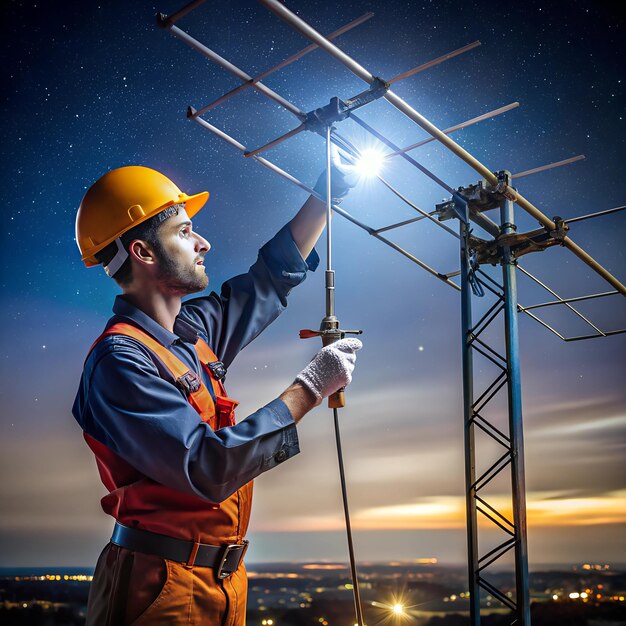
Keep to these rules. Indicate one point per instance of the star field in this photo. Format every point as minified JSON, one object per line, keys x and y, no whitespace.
{"x":94,"y":86}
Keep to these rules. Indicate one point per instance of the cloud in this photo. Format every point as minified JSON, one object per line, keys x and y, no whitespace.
{"x":434,"y":512}
{"x":547,"y":510}
{"x":544,"y":509}
{"x":596,"y":427}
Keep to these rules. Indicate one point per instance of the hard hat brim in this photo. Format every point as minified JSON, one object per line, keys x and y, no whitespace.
{"x":194,"y":203}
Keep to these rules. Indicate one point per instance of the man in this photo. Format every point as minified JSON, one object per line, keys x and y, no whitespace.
{"x":154,"y":410}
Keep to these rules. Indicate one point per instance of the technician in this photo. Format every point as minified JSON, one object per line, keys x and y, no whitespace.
{"x":151,"y":402}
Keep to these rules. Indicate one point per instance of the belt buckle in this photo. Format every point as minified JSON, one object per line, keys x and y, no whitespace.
{"x":231,"y":546}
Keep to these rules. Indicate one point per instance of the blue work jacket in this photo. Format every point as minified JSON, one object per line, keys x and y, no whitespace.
{"x":128,"y":402}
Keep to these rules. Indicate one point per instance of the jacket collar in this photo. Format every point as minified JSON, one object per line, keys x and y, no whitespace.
{"x":182,"y":330}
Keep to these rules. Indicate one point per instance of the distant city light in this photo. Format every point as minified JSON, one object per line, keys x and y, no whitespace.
{"x":395,"y":609}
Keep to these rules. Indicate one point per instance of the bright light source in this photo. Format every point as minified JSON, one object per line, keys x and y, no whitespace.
{"x":370,"y":162}
{"x":398,"y":609}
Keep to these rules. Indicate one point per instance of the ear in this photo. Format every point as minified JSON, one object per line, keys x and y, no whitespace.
{"x":141,"y":252}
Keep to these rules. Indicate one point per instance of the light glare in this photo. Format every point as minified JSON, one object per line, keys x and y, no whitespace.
{"x":370,"y":162}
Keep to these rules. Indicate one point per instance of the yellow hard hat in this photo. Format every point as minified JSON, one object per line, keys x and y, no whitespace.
{"x":121,"y":199}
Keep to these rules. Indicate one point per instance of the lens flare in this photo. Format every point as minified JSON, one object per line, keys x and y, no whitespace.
{"x":370,"y":162}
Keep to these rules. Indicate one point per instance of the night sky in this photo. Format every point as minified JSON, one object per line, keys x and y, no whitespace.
{"x":90,"y":87}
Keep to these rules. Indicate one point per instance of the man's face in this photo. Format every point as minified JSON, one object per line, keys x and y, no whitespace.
{"x":180,"y":253}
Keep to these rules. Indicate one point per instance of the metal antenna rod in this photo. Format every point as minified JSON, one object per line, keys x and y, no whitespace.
{"x":233,"y":69}
{"x":330,"y":303}
{"x":598,"y":214}
{"x":453,"y":129}
{"x":328,"y":320}
{"x":167,"y":21}
{"x":549,"y":166}
{"x":437,"y":61}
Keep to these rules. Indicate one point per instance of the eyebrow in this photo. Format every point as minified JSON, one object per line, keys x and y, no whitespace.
{"x":185,"y":223}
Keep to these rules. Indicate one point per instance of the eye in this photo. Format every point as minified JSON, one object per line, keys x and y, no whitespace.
{"x":185,"y":232}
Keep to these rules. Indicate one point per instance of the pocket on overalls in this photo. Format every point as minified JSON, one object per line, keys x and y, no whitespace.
{"x":155,"y":596}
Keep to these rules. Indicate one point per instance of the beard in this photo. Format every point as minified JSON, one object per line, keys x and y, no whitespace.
{"x":180,"y":279}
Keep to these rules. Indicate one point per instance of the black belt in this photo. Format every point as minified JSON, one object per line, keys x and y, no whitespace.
{"x":224,"y":559}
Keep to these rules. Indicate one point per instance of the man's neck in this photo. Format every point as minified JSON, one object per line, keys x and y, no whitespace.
{"x":162,"y":308}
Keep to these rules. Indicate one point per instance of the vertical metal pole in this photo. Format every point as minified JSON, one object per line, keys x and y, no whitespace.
{"x":518,"y":482}
{"x":330,"y":274}
{"x":336,"y":400}
{"x":468,"y":412}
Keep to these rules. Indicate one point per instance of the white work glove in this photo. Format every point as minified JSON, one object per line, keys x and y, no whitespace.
{"x":331,"y":368}
{"x":343,"y":178}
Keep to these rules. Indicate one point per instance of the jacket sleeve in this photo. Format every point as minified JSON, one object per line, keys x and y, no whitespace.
{"x":248,"y":303}
{"x":124,"y":404}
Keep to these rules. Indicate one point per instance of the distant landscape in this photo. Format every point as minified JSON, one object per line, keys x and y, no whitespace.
{"x":303,"y":594}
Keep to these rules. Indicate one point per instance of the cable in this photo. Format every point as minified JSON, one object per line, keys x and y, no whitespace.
{"x":346,"y":512}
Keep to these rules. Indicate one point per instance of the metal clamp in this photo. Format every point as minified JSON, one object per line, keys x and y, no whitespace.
{"x":560,"y":231}
{"x":335,"y":334}
{"x":337,"y":109}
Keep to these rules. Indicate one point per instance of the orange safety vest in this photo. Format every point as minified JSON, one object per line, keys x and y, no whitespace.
{"x":137,"y":501}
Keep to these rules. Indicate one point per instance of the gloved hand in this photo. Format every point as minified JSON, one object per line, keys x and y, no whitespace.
{"x":343,"y":178}
{"x":331,"y":368}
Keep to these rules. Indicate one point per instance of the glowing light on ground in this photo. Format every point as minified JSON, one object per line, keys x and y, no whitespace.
{"x":396,"y":610}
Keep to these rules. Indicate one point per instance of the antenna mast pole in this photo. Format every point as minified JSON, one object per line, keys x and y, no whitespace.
{"x":474,"y":281}
{"x":518,"y":479}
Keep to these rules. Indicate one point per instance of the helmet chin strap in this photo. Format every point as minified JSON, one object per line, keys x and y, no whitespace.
{"x":118,"y":260}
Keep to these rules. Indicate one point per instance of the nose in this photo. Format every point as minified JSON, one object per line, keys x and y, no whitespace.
{"x":202,"y":245}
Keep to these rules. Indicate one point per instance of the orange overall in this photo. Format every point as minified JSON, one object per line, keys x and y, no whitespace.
{"x":141,"y":589}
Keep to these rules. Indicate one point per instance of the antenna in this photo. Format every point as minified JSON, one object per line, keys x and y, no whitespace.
{"x":467,"y":206}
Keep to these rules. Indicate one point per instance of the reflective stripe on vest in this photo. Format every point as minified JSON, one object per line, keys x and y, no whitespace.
{"x":218,"y":413}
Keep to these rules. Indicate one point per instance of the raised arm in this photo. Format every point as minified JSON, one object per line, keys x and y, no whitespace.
{"x":249,"y":302}
{"x":308,"y":224}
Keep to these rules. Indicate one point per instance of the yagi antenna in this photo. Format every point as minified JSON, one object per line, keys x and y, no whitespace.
{"x":502,"y":246}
